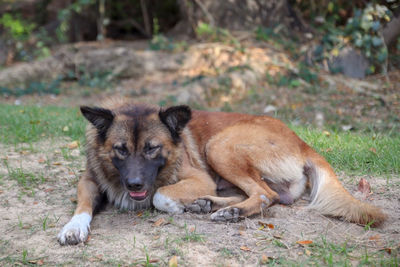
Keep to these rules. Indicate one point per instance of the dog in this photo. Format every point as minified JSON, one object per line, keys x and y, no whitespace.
{"x":177,"y":160}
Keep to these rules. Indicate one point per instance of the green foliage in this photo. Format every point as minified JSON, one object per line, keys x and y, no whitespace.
{"x":17,"y":28}
{"x":40,"y":88}
{"x":361,"y":31}
{"x":28,"y":40}
{"x":364,"y":30}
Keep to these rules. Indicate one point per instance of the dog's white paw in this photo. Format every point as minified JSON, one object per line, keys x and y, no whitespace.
{"x":76,"y":230}
{"x":164,"y":203}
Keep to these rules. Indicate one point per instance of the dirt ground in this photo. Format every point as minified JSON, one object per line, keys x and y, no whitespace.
{"x":38,"y":196}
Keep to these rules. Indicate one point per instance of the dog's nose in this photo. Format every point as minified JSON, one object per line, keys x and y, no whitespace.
{"x":134,"y":184}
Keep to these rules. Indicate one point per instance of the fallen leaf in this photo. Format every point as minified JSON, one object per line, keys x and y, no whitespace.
{"x":308,"y":253}
{"x":73,"y":199}
{"x":47,"y":190}
{"x":388,"y":250}
{"x":160,"y":222}
{"x":139,"y":214}
{"x":326,"y":133}
{"x":277,"y":236}
{"x":1,"y":191}
{"x":269,"y":225}
{"x":41,"y":160}
{"x":192,"y":229}
{"x":264,"y":259}
{"x":153,"y":260}
{"x":244,"y":248}
{"x":65,"y":129}
{"x":24,"y":152}
{"x":173,"y":261}
{"x":40,"y":262}
{"x":242,"y":233}
{"x":364,"y":186}
{"x":35,"y":202}
{"x":328,"y":149}
{"x":57,"y":163}
{"x":375,"y":237}
{"x":372,"y":149}
{"x":73,"y":145}
{"x":304,"y":242}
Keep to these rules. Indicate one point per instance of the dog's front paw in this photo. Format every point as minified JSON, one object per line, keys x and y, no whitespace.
{"x":200,"y":205}
{"x":76,"y":230}
{"x":229,"y":214}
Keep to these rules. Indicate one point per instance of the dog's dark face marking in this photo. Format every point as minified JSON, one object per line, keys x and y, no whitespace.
{"x":139,"y":142}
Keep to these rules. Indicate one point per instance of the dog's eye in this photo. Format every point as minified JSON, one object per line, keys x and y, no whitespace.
{"x":151,"y":149}
{"x":122,"y":150}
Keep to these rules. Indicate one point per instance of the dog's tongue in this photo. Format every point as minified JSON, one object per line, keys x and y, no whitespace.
{"x":138,"y":194}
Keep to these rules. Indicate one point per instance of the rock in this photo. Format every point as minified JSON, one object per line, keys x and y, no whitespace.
{"x":270,"y":109}
{"x":350,"y":62}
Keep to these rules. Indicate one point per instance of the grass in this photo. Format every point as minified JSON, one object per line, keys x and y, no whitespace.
{"x":356,"y":153}
{"x":24,"y":179}
{"x":27,"y":124}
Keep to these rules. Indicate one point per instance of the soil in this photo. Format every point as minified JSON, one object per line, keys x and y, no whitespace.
{"x":33,"y":213}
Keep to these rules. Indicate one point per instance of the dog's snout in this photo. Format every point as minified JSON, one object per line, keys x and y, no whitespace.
{"x":134,"y":184}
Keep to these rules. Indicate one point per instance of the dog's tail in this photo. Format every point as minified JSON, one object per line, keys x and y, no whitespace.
{"x":329,"y":197}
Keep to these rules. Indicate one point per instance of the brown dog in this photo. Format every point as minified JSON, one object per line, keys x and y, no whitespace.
{"x":177,"y":159}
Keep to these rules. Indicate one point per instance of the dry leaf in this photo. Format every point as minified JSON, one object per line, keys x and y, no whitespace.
{"x":41,"y":160}
{"x":375,"y":237}
{"x":57,"y":163}
{"x":35,"y":202}
{"x":372,"y":149}
{"x":47,"y":190}
{"x":242,"y":233}
{"x":304,"y":242}
{"x":364,"y":187}
{"x":139,"y":214}
{"x":153,"y":260}
{"x":65,"y":129}
{"x":269,"y":225}
{"x":73,"y":145}
{"x":73,"y":199}
{"x":1,"y":191}
{"x":388,"y":250}
{"x":40,"y":262}
{"x":244,"y":248}
{"x":326,"y":133}
{"x":192,"y":229}
{"x":264,"y":259}
{"x":160,"y":222}
{"x":308,"y":253}
{"x":173,"y":262}
{"x":277,"y":236}
{"x":328,"y":149}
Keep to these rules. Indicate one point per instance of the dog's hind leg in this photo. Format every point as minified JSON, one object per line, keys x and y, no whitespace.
{"x":246,"y":153}
{"x":77,"y":229}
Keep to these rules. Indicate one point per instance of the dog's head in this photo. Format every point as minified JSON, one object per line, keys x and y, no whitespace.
{"x":140,"y":142}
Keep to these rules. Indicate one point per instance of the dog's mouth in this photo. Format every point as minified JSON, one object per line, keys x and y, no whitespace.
{"x":138,"y":195}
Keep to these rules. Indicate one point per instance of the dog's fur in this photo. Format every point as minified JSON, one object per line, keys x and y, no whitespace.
{"x":177,"y":159}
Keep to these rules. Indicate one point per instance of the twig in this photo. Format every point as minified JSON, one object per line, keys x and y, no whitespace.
{"x":205,"y":11}
{"x":145,"y":17}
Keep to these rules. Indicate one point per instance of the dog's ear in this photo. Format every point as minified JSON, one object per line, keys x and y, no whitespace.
{"x":176,"y":118}
{"x":101,"y":118}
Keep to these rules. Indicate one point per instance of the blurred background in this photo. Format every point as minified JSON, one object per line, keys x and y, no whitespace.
{"x":332,"y":63}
